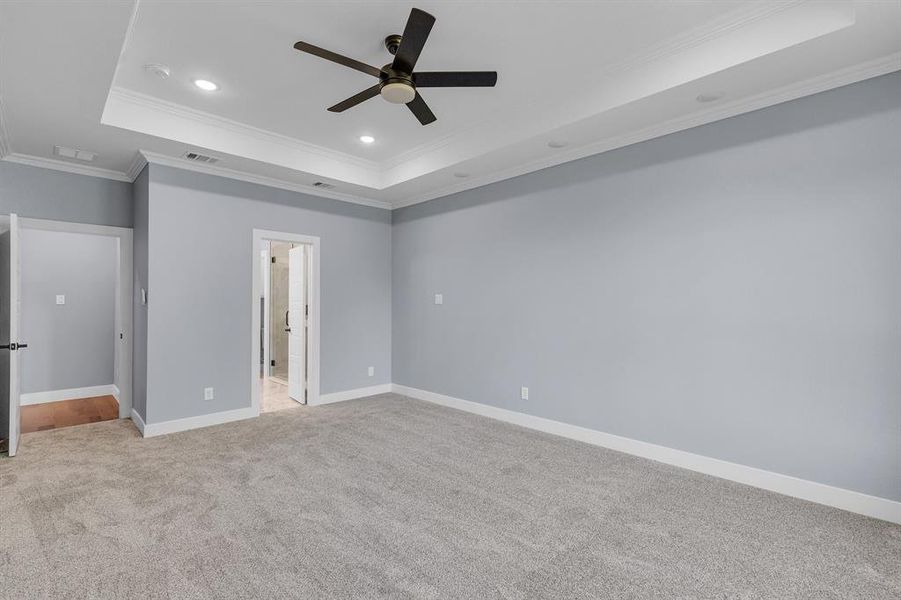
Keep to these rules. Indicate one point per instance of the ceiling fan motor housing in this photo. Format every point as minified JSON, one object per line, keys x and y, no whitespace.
{"x":392,"y":43}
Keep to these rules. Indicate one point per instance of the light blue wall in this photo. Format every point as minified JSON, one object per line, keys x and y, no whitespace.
{"x":70,"y":345}
{"x":732,"y":290}
{"x":47,"y":194}
{"x":141,"y":249}
{"x":199,"y":273}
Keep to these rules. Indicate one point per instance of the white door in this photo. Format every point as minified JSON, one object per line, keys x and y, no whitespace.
{"x":297,"y":323}
{"x":9,"y":335}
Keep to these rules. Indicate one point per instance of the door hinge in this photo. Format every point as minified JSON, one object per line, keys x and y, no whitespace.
{"x":306,"y":310}
{"x":273,"y":259}
{"x":272,"y":363}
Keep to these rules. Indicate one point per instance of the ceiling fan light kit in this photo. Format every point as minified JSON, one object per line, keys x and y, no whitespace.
{"x":398,"y":93}
{"x":398,"y":82}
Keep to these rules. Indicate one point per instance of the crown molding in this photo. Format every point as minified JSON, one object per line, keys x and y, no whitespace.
{"x":179,"y":163}
{"x":717,"y":27}
{"x":846,"y":76}
{"x":66,"y":167}
{"x":223,"y":123}
{"x":137,"y":165}
{"x":4,"y":132}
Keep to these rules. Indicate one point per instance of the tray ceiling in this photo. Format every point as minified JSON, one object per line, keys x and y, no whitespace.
{"x":582,"y":76}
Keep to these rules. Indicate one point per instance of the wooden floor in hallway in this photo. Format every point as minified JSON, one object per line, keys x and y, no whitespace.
{"x":66,"y":413}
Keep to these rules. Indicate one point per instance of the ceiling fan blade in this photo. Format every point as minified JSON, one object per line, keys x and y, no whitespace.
{"x":341,"y":60}
{"x":419,"y":24}
{"x":356,"y":99}
{"x":422,"y":111}
{"x":455,"y":79}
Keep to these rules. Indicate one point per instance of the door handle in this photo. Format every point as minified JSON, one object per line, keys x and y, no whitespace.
{"x":12,"y":346}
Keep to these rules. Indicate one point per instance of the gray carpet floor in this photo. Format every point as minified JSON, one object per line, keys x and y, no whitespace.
{"x":392,"y":497}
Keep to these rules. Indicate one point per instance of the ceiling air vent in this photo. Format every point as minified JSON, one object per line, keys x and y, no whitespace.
{"x":201,"y":158}
{"x":323,"y":185}
{"x":75,"y":153}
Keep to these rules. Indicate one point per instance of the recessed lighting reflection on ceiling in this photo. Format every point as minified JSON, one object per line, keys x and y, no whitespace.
{"x":710,"y":96}
{"x":161,"y":71}
{"x":367,"y":139}
{"x":206,"y":85}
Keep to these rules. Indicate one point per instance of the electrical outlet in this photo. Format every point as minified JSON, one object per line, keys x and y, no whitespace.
{"x":208,"y":393}
{"x":60,"y":298}
{"x":524,"y":393}
{"x":371,"y":371}
{"x":439,"y":298}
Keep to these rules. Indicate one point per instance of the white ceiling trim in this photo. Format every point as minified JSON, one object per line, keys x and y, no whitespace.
{"x":161,"y":159}
{"x":137,"y":165}
{"x":146,"y":114}
{"x":67,"y":167}
{"x":249,"y":130}
{"x":846,"y":76}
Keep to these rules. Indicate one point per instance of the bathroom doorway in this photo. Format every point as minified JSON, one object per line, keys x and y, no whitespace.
{"x":287,"y":319}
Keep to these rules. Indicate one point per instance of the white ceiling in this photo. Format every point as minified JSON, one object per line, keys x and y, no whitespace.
{"x":594,"y":75}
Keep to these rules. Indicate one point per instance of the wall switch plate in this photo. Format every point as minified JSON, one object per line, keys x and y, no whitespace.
{"x":371,"y":371}
{"x":524,"y":393}
{"x":208,"y":393}
{"x":60,"y":298}
{"x":439,"y":298}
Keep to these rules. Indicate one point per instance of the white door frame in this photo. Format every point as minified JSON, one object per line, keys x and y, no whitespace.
{"x":124,"y":295}
{"x":11,"y":223}
{"x":260,"y":235}
{"x":298,"y":265}
{"x":265,"y":293}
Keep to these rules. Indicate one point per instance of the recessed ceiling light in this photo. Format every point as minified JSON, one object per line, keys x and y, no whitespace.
{"x":461,"y":175}
{"x":710,"y":96}
{"x":367,"y":139}
{"x":556,"y":144}
{"x":206,"y":85}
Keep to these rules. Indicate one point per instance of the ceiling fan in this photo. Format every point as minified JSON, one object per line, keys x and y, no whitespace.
{"x":398,"y":82}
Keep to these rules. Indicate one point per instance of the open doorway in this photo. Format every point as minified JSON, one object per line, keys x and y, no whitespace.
{"x":286,"y":319}
{"x":72,"y":286}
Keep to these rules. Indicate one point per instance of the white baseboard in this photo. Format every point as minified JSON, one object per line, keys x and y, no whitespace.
{"x":115,"y":392}
{"x":856,"y":502}
{"x":353,"y":394}
{"x":69,"y":394}
{"x":138,"y":421}
{"x":176,"y":425}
